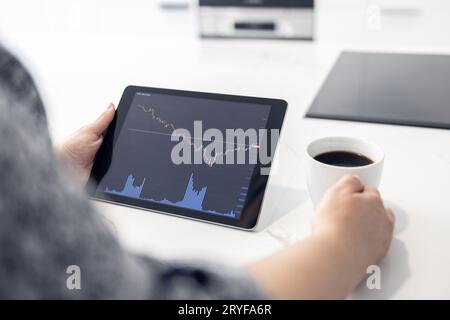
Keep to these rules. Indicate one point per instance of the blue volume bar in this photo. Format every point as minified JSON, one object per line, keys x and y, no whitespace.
{"x":129,"y":190}
{"x":192,"y":199}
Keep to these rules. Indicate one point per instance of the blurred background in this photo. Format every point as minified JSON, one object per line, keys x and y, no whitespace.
{"x":85,"y":52}
{"x":365,"y":21}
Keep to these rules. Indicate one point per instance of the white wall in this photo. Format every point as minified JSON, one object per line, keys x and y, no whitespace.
{"x":95,"y":17}
{"x":393,"y":22}
{"x":419,"y":22}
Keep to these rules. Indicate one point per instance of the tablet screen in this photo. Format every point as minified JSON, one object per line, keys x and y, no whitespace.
{"x":147,"y":152}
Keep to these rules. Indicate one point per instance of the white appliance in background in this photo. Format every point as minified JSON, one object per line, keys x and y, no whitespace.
{"x":280,"y":19}
{"x":383,"y":22}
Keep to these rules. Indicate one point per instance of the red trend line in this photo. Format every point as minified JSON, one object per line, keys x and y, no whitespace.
{"x":209,"y":160}
{"x":157,"y":118}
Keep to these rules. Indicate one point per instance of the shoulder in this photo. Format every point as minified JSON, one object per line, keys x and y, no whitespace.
{"x":17,"y":84}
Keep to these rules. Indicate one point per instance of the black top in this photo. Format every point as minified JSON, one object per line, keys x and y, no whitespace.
{"x":404,"y":89}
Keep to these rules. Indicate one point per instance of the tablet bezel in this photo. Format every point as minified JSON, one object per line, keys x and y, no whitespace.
{"x":250,"y":212}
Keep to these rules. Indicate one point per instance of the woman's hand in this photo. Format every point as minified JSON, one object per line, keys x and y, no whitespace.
{"x":355,"y":216}
{"x":79,"y":150}
{"x":352,"y":230}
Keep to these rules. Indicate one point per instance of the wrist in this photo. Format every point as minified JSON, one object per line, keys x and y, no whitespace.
{"x":348,"y":259}
{"x":70,"y":163}
{"x":61,"y":153}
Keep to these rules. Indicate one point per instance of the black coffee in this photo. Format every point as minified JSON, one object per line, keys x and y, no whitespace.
{"x":343,"y":159}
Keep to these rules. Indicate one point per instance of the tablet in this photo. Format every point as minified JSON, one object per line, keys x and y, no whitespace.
{"x":389,"y":88}
{"x":202,"y":156}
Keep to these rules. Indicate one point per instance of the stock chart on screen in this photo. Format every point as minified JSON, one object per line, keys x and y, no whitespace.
{"x":143,"y":166}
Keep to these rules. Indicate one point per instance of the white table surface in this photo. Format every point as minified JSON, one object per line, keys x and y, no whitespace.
{"x":80,"y":72}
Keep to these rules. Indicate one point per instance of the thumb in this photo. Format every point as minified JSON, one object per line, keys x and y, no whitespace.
{"x":101,"y":124}
{"x":350,"y":184}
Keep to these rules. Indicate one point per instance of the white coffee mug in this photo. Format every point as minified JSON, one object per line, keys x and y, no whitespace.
{"x":321,"y":176}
